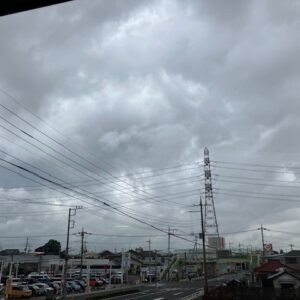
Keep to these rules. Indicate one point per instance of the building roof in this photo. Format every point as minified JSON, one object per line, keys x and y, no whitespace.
{"x":272,"y":266}
{"x":280,"y":273}
{"x":9,"y":252}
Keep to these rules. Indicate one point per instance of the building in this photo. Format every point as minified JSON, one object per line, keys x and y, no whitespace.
{"x":291,"y":259}
{"x":31,"y":262}
{"x":264,"y":272}
{"x":284,"y":280}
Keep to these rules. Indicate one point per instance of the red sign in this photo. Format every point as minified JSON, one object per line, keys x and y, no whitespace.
{"x":268,"y":247}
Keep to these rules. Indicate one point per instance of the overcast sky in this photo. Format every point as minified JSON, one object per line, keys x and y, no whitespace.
{"x":117,"y":100}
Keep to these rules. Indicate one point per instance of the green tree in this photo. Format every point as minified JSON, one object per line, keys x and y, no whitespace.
{"x":51,"y":247}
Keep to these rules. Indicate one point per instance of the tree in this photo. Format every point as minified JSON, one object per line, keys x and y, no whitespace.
{"x":51,"y":247}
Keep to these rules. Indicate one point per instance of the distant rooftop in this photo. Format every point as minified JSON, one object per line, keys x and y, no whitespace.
{"x":293,"y":253}
{"x":272,"y":266}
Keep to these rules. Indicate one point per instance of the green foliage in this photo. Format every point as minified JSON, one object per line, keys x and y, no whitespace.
{"x":51,"y":247}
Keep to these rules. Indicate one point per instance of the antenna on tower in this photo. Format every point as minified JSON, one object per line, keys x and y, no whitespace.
{"x":210,"y":218}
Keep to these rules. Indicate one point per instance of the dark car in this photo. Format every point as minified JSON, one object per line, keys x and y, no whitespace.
{"x":75,"y":286}
{"x":55,"y":286}
{"x":36,"y":291}
{"x":69,"y":287}
{"x":81,"y":283}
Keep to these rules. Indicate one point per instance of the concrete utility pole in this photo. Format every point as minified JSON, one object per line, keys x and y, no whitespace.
{"x":169,"y":252}
{"x":169,"y":249}
{"x":204,"y":250}
{"x":149,"y":242}
{"x":155,"y":265}
{"x":202,"y":236}
{"x":262,"y":240}
{"x":72,"y":212}
{"x":82,"y":233}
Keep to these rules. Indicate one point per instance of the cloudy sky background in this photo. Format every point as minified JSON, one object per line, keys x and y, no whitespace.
{"x":136,"y":90}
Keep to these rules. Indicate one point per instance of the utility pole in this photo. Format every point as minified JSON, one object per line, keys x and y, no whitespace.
{"x":82,"y":233}
{"x":204,"y":250}
{"x":26,"y":246}
{"x":184,"y":264}
{"x":292,"y":247}
{"x":169,"y":253}
{"x":169,"y":249}
{"x":202,"y":236}
{"x":261,"y":228}
{"x":71,"y":223}
{"x":155,"y":265}
{"x":149,"y":242}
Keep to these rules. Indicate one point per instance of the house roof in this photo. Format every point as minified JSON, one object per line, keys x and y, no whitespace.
{"x":272,"y":266}
{"x":281,"y":273}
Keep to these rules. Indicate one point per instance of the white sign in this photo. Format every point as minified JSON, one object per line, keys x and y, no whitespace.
{"x":125,"y":261}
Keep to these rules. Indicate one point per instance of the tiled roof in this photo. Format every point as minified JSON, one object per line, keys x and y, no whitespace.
{"x":272,"y":266}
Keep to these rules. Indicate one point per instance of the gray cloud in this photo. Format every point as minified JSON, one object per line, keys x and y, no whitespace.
{"x":144,"y":85}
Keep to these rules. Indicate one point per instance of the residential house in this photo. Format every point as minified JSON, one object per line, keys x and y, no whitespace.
{"x":262,"y":273}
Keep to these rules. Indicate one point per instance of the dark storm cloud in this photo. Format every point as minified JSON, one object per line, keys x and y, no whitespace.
{"x":144,"y":85}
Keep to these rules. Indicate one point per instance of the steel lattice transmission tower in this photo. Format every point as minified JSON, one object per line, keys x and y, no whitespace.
{"x":210,"y":217}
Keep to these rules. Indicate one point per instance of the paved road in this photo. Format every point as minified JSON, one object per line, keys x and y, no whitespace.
{"x":172,"y":290}
{"x":168,"y":290}
{"x":164,"y":291}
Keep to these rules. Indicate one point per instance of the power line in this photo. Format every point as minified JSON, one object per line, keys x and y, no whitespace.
{"x":157,"y":185}
{"x":66,"y":148}
{"x":255,"y":179}
{"x":258,"y":193}
{"x":156,"y":199}
{"x":78,"y":145}
{"x":257,"y":183}
{"x":260,"y":197}
{"x":255,"y":165}
{"x":254,"y":170}
{"x":105,"y":204}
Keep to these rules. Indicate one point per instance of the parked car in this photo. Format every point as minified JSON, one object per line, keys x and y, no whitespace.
{"x":69,"y":287}
{"x":104,"y":280}
{"x":75,"y":286}
{"x":44,"y":287}
{"x":56,"y":287}
{"x":95,"y":282}
{"x":116,"y":279}
{"x":36,"y":291}
{"x":16,"y":281}
{"x":19,"y":291}
{"x":81,"y":283}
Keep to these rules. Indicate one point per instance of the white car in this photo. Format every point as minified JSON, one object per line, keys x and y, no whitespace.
{"x":44,"y":287}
